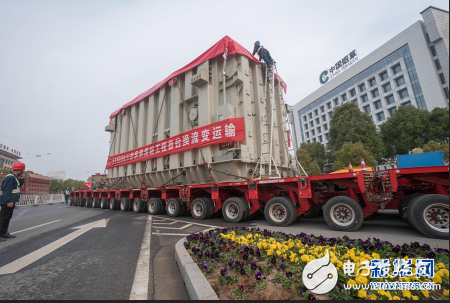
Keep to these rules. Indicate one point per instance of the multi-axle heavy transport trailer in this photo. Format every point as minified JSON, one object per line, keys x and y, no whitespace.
{"x":215,"y":137}
{"x":420,"y":194}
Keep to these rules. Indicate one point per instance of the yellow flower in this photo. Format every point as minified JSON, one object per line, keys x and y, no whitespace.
{"x":270,"y":252}
{"x":437,"y":279}
{"x":387,"y":294}
{"x":291,"y":245}
{"x":406,"y":293}
{"x":440,"y":265}
{"x":259,"y":245}
{"x":415,"y":297}
{"x":351,"y":282}
{"x":376,"y":256}
{"x":445,"y":293}
{"x":334,"y":260}
{"x":361,"y":279}
{"x":373,"y":297}
{"x":292,"y":260}
{"x":273,"y":246}
{"x":285,"y":256}
{"x":296,"y":259}
{"x":305,"y":258}
{"x":339,"y":264}
{"x":265,"y":245}
{"x":413,"y":261}
{"x":362,"y":293}
{"x":443,"y":273}
{"x":278,"y":252}
{"x":425,"y":293}
{"x":381,"y":292}
{"x":396,"y":298}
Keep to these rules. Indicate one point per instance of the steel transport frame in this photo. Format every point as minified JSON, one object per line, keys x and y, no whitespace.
{"x":346,"y":199}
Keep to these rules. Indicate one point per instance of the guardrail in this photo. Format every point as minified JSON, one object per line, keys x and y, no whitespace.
{"x":36,"y":199}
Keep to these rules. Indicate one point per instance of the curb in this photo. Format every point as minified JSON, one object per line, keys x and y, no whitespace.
{"x":197,"y":286}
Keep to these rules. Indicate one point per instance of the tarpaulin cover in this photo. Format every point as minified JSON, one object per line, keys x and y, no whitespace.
{"x":219,"y":132}
{"x":216,"y":50}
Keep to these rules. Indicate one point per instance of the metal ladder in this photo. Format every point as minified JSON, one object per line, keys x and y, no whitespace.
{"x":266,"y":162}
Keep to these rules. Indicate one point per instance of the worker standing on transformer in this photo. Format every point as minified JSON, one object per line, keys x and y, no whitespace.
{"x":262,"y":53}
{"x":9,"y":196}
{"x":66,"y":195}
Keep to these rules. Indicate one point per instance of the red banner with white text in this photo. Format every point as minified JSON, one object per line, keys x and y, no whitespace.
{"x":219,"y":132}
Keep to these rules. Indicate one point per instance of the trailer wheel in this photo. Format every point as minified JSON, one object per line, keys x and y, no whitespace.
{"x":311,"y":213}
{"x":113,"y":204}
{"x":104,"y":203}
{"x":403,"y":207}
{"x":82,"y":202}
{"x":125,"y":204}
{"x":202,"y":208}
{"x":280,"y":211}
{"x":235,"y":209}
{"x":429,"y":214}
{"x":96,"y":203}
{"x":138,"y":205}
{"x":89,"y":202}
{"x":175,"y":207}
{"x":343,"y":213}
{"x":155,"y":206}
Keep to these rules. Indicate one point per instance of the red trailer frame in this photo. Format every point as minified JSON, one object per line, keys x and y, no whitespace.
{"x":280,"y":197}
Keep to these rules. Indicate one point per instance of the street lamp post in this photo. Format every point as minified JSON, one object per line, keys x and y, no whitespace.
{"x":37,"y":159}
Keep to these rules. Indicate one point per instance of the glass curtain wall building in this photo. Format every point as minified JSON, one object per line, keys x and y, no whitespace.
{"x":410,"y":69}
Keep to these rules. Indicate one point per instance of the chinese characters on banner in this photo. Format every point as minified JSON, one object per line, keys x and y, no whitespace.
{"x":339,"y":67}
{"x":4,"y":147}
{"x":219,"y":132}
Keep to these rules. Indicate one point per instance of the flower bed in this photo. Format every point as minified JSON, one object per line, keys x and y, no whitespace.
{"x":252,"y":264}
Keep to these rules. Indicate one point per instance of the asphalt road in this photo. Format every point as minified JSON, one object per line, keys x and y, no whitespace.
{"x":83,"y":253}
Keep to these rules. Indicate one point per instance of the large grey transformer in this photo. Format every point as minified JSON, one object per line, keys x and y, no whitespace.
{"x":197,"y":98}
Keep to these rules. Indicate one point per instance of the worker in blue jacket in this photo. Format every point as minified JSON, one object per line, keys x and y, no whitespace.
{"x":262,"y":53}
{"x":9,"y":196}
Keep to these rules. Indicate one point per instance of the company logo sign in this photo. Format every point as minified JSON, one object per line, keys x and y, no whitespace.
{"x":339,"y":67}
{"x":320,"y":275}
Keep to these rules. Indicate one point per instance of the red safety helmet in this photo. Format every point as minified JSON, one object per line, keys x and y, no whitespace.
{"x":18,"y":165}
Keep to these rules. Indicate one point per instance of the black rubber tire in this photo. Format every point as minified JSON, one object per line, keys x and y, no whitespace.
{"x":175,"y":207}
{"x":239,"y":204}
{"x":202,"y":208}
{"x":155,"y":206}
{"x":125,"y":204}
{"x":88,"y":202}
{"x":96,"y":203}
{"x":138,"y":205}
{"x":311,"y":213}
{"x":350,"y":205}
{"x":83,"y":202}
{"x":403,"y":207}
{"x":417,"y":210}
{"x":113,"y":204}
{"x":369,"y":216}
{"x":287,"y":205}
{"x":104,"y":203}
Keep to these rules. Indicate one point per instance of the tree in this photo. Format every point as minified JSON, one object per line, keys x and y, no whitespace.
{"x":58,"y":186}
{"x":349,"y":125}
{"x":407,"y":129}
{"x":308,"y":164}
{"x":435,"y":146}
{"x":317,"y":152}
{"x":353,"y":153}
{"x":439,"y":125}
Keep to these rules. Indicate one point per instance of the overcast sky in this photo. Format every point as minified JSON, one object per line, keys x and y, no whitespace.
{"x":65,"y":66}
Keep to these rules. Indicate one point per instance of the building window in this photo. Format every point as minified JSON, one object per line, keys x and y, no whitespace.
{"x":367,"y":109}
{"x":330,"y":114}
{"x":355,"y":101}
{"x":381,"y":116}
{"x":336,"y":101}
{"x":387,"y":87}
{"x":375,"y":93}
{"x":320,"y":139}
{"x":325,"y":126}
{"x":403,"y":94}
{"x":438,"y":64}
{"x":322,"y":109}
{"x":442,"y":78}
{"x":314,"y":140}
{"x":365,"y":98}
{"x":324,"y":118}
{"x":319,"y":130}
{"x":311,"y":123}
{"x":400,"y":81}
{"x":307,"y":134}
{"x":390,"y":99}
{"x":428,"y":38}
{"x":392,"y":111}
{"x":408,"y":103}
{"x":309,"y":141}
{"x":305,"y":118}
{"x":373,"y":82}
{"x":316,"y":112}
{"x":353,"y":92}
{"x":310,"y":115}
{"x":362,"y":87}
{"x":326,"y":136}
{"x":306,"y":126}
{"x":378,"y":104}
{"x":329,"y":105}
{"x":433,"y":50}
{"x":384,"y":75}
{"x":344,"y":97}
{"x":313,"y":132}
{"x":446,"y":92}
{"x":396,"y":69}
{"x":317,"y":120}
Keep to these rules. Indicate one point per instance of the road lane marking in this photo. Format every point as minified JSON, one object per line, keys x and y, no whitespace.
{"x":23,"y":262}
{"x":16,"y":232}
{"x":167,"y":234}
{"x":182,"y":227}
{"x":19,"y":215}
{"x":194,"y":223}
{"x":165,"y":223}
{"x":139,"y":290}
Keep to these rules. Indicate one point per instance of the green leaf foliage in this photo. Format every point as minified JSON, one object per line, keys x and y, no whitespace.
{"x":435,"y":146}
{"x":353,"y":153}
{"x":349,"y":125}
{"x":317,"y":152}
{"x":309,"y":165}
{"x":439,"y":125}
{"x":407,"y":129}
{"x":58,"y":186}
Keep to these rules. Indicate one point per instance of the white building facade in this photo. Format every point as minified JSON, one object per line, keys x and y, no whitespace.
{"x":410,"y":69}
{"x":57,"y":175}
